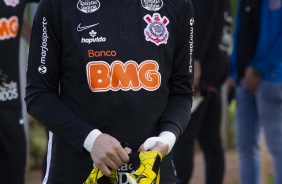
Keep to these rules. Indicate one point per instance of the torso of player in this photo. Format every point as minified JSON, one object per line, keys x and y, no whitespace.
{"x":116,"y":60}
{"x":114,"y":47}
{"x":121,"y":45}
{"x":124,"y":50}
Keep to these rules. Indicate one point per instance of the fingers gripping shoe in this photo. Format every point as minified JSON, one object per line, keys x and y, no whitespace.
{"x":97,"y":177}
{"x":149,"y":169}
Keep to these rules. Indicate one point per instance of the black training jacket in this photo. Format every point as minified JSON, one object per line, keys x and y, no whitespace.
{"x":124,"y":67}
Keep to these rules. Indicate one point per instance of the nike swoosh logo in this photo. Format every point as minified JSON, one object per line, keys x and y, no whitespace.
{"x":85,"y":27}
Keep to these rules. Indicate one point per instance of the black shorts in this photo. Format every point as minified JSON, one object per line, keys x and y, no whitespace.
{"x":12,"y":146}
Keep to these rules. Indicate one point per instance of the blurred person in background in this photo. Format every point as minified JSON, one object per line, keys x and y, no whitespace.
{"x":13,"y":151}
{"x":257,"y":71}
{"x":212,"y":40}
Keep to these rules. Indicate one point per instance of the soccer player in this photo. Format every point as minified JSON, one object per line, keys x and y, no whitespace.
{"x":12,"y":134}
{"x":105,"y":72}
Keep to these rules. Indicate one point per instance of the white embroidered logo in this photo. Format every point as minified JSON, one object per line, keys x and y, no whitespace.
{"x":79,"y":28}
{"x":88,"y":6}
{"x":44,"y":47}
{"x":152,"y":5}
{"x":93,"y":38}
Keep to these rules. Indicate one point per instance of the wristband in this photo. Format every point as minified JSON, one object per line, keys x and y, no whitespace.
{"x":90,"y":139}
{"x":170,"y":138}
{"x":165,"y":137}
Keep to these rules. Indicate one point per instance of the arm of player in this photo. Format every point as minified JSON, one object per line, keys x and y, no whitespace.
{"x":177,"y":113}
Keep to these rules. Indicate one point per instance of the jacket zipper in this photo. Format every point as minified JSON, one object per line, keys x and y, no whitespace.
{"x":123,"y":22}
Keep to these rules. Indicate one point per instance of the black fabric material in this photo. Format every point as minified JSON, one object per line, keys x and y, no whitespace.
{"x":248,"y":33}
{"x":12,"y":135}
{"x":213,"y":36}
{"x":12,"y":146}
{"x":11,"y":23}
{"x":212,"y":39}
{"x":172,"y":128}
{"x":63,"y":97}
{"x":11,"y":20}
{"x":204,"y":127}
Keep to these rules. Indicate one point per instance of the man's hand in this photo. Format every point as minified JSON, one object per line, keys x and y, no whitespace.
{"x":251,"y":79}
{"x":163,"y":143}
{"x":107,"y":153}
{"x":159,"y":146}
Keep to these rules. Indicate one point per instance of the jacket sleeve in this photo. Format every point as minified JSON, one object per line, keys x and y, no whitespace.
{"x":178,"y":111}
{"x":43,"y":78}
{"x":268,"y":56}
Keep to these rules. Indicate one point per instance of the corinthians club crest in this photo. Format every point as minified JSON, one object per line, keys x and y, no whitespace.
{"x":88,"y":6}
{"x":156,"y":30}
